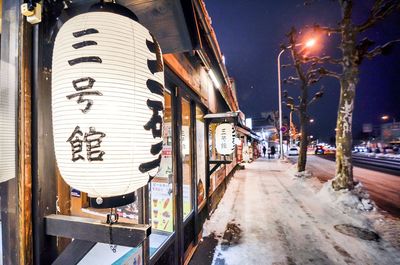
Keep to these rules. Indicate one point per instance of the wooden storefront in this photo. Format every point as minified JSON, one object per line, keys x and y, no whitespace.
{"x":178,"y":199}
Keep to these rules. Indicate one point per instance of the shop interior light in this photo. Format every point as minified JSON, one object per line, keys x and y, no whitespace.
{"x":214,"y":79}
{"x":107,"y":104}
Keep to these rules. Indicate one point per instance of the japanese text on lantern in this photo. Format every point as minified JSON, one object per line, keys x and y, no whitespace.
{"x":223,"y":138}
{"x":84,"y":94}
{"x":155,"y":123}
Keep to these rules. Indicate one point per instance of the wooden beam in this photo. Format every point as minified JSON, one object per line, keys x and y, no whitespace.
{"x":193,"y":76}
{"x":74,"y":252}
{"x":123,"y":234}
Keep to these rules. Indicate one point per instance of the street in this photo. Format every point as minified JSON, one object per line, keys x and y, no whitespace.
{"x":269,"y":217}
{"x":383,"y":188}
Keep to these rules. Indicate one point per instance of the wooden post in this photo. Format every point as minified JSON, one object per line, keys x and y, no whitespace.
{"x":44,"y":180}
{"x":25,"y":149}
{"x":63,"y":207}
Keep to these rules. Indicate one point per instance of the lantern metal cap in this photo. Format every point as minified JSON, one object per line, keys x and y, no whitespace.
{"x":113,"y":8}
{"x":111,"y":202}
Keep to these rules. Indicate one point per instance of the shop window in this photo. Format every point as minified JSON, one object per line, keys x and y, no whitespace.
{"x":186,"y":159}
{"x":161,"y":188}
{"x":200,"y":158}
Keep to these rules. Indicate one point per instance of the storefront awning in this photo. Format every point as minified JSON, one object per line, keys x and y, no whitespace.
{"x":223,"y":117}
{"x":171,"y":21}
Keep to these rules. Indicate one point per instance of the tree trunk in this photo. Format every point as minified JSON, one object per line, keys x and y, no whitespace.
{"x":302,"y":160}
{"x":344,"y":164}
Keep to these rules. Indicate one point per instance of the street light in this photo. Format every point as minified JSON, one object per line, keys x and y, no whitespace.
{"x":308,"y":44}
{"x":311,"y":120}
{"x":386,"y":117}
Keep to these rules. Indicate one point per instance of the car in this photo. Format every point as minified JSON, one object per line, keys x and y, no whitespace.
{"x":319,"y":150}
{"x":329,"y":151}
{"x":360,"y":149}
{"x":293,"y":151}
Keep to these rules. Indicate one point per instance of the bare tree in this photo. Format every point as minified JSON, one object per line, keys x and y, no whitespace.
{"x":307,"y":74}
{"x":354,"y":51}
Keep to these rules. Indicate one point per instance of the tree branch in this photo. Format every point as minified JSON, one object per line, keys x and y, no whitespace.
{"x":321,"y":60}
{"x":384,"y":49}
{"x":379,"y":11}
{"x":286,"y":65}
{"x":326,"y":30}
{"x":291,"y":80}
{"x":315,"y":75}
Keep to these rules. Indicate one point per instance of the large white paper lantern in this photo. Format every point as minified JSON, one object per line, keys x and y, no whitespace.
{"x":107,"y":104}
{"x":225,"y":135}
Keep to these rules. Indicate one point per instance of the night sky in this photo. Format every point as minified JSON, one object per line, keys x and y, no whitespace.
{"x":251,"y":32}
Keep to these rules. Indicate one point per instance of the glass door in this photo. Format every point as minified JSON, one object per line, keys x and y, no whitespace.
{"x":186,"y":156}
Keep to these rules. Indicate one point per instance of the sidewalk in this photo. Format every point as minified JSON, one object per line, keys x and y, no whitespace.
{"x":268,"y":217}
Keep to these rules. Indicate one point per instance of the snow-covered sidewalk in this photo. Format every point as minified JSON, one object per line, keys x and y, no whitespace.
{"x":268,"y":217}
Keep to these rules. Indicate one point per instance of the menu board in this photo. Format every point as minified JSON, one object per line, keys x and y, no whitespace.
{"x":161,"y":207}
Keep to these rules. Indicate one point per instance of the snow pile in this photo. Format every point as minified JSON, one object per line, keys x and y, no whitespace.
{"x":292,"y":170}
{"x":303,"y":174}
{"x":355,"y":199}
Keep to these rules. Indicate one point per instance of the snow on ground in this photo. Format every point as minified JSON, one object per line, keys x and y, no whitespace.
{"x":283,"y":220}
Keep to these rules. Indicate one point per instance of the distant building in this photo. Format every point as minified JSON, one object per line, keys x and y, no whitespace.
{"x":390,"y":132}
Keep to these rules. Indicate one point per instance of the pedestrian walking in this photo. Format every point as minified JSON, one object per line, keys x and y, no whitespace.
{"x":269,"y":152}
{"x":273,"y":151}
{"x":264,"y":149}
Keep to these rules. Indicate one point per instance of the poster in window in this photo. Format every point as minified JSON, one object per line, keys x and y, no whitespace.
{"x":161,"y":207}
{"x":201,"y":163}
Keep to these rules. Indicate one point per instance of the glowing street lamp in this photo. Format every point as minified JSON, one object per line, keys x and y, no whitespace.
{"x":307,"y":44}
{"x":311,"y":120}
{"x":310,"y":43}
{"x":387,"y":117}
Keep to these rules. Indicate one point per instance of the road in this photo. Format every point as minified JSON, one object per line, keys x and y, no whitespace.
{"x":268,"y":217}
{"x":381,"y":164}
{"x":384,"y":188}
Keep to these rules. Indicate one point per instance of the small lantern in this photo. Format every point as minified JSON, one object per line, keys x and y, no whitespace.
{"x":225,"y":135}
{"x":107,"y":104}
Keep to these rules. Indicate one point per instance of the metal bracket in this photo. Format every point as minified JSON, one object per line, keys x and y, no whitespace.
{"x":86,"y":232}
{"x":217,"y":164}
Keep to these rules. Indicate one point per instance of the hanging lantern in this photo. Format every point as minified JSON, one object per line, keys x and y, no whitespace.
{"x":225,"y":135}
{"x":107,"y":103}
